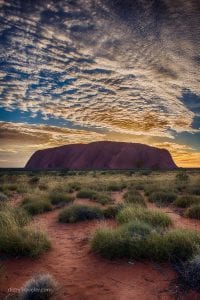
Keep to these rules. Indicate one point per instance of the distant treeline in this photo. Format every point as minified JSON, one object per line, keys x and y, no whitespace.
{"x":82,"y":172}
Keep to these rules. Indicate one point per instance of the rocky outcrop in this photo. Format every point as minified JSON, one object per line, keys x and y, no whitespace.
{"x":101,"y":155}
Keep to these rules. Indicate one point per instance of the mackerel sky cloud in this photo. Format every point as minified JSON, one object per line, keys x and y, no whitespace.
{"x":85,"y":70}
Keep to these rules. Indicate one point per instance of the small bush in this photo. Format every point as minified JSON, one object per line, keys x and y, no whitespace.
{"x":9,"y":188}
{"x":182,"y":176}
{"x":137,"y":228}
{"x":90,"y":194}
{"x":21,"y":216}
{"x":110,"y":243}
{"x":60,"y":198}
{"x":193,"y":212}
{"x":145,"y":172}
{"x":34,"y":207}
{"x":186,"y":201}
{"x":95,"y":196}
{"x":138,"y":240}
{"x":194,"y":189}
{"x":75,"y":213}
{"x":134,"y":197}
{"x":182,"y":244}
{"x":40,"y":287}
{"x":103,"y":199}
{"x":116,"y":186}
{"x":16,"y":240}
{"x":74,"y":186}
{"x":43,"y":187}
{"x":3,"y":197}
{"x":189,"y":273}
{"x":34,"y":180}
{"x":154,"y":218}
{"x":162,"y":197}
{"x":112,"y":210}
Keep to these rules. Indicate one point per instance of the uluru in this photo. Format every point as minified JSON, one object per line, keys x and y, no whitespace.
{"x":102,"y":155}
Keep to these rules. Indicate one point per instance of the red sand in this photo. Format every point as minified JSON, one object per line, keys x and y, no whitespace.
{"x":83,"y":275}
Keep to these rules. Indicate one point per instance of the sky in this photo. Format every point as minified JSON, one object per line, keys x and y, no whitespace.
{"x":78,"y":71}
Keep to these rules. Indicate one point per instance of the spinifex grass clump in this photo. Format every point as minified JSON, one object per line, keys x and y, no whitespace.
{"x":16,"y":239}
{"x":3,"y":197}
{"x":189,"y":273}
{"x":186,"y":201}
{"x":194,"y":189}
{"x":40,"y":287}
{"x":112,"y":210}
{"x":193,"y":212}
{"x":139,"y":240}
{"x":116,"y":186}
{"x":36,"y":204}
{"x":74,"y":186}
{"x":182,"y":176}
{"x":154,"y":218}
{"x":101,"y":198}
{"x":34,"y":180}
{"x":57,"y":197}
{"x":86,"y":193}
{"x":134,"y":197}
{"x":162,"y":197}
{"x":75,"y":213}
{"x":8,"y":188}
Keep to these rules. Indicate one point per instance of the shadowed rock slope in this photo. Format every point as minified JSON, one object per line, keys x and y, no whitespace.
{"x":101,"y":155}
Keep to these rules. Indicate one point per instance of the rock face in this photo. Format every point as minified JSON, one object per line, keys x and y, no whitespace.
{"x":101,"y":155}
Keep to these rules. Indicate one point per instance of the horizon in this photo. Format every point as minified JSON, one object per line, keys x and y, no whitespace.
{"x":86,"y":71}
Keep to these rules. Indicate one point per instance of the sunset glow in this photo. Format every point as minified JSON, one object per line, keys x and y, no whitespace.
{"x":83,"y":71}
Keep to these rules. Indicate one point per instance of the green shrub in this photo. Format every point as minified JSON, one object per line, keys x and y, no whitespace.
{"x":193,"y":212}
{"x":116,"y":186}
{"x":21,"y":216}
{"x":134,"y":197}
{"x":112,"y":210}
{"x":3,"y":197}
{"x":8,"y":188}
{"x":95,"y":196}
{"x":189,"y":273}
{"x":145,"y":172}
{"x":90,"y":194}
{"x":186,"y":201}
{"x":16,"y":240}
{"x":74,"y":186}
{"x":110,"y":243}
{"x":162,"y":197}
{"x":34,"y":207}
{"x":75,"y":213}
{"x":43,"y":187}
{"x":103,"y":199}
{"x":137,"y":228}
{"x":60,"y":198}
{"x":182,"y":176}
{"x":182,"y":244}
{"x":40,"y":287}
{"x":24,"y":242}
{"x":194,"y":189}
{"x":150,"y":188}
{"x":34,"y":180}
{"x":154,"y":218}
{"x":139,"y":241}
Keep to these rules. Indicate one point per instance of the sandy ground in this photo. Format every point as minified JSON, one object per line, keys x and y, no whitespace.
{"x":83,"y":275}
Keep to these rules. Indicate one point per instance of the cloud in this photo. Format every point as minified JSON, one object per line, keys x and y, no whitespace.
{"x":20,"y":140}
{"x":116,"y":65}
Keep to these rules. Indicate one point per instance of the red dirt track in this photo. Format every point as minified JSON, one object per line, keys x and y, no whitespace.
{"x":83,"y":275}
